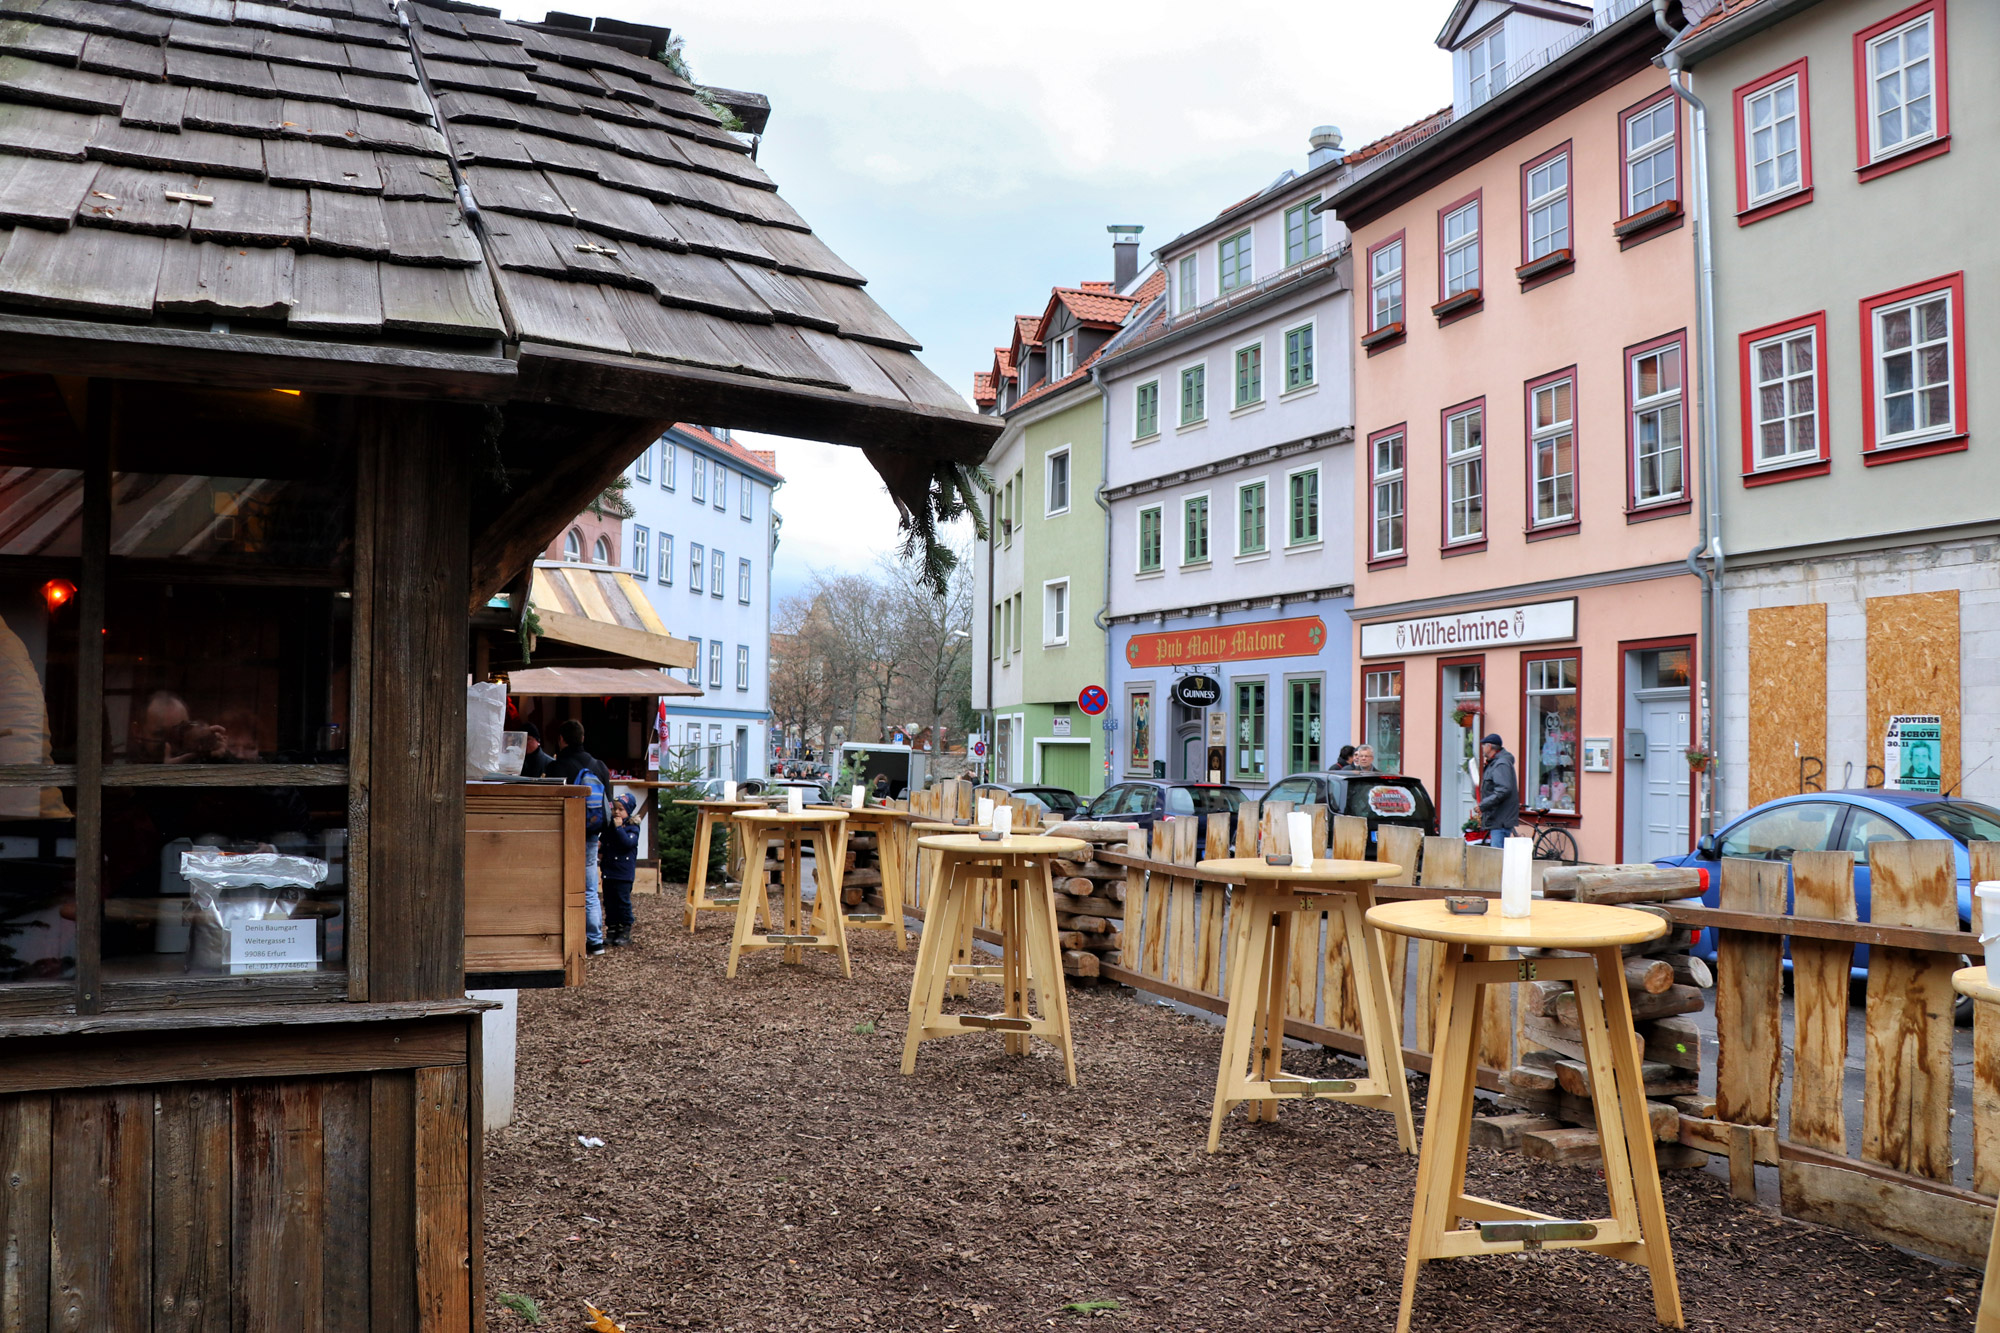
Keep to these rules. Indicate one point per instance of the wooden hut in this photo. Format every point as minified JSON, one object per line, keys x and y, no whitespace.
{"x":316,"y":321}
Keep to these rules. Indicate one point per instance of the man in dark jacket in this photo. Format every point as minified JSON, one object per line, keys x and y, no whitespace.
{"x":580,"y":768}
{"x":620,"y":868}
{"x":1499,"y":791}
{"x":539,"y":760}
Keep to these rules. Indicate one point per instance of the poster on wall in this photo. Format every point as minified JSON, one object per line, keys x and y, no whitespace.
{"x":1913,"y":753}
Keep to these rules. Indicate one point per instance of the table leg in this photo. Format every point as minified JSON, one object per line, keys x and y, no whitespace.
{"x":1645,"y":1171}
{"x":828,"y":889}
{"x":746,"y":903}
{"x":1434,"y":1166}
{"x":1379,"y":1036}
{"x":793,"y":851}
{"x":928,"y":986}
{"x":1045,"y":962}
{"x":889,"y":857}
{"x":1278,"y":980}
{"x":1240,"y":1024}
{"x":1462,"y":1127}
{"x":1013,"y":961}
{"x":697,"y":885}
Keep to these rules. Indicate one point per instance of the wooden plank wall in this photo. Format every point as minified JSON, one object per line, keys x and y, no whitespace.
{"x":1787,"y":696}
{"x":1913,"y":651}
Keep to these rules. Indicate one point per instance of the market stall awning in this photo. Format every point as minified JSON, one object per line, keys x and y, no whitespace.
{"x":596,"y":682}
{"x":588,"y":606}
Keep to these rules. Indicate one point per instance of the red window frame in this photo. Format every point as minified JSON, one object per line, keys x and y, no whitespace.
{"x":1635,"y":511}
{"x":1867,"y":166}
{"x":1521,"y":755}
{"x":1666,"y":215}
{"x":1476,"y":292}
{"x":1873,"y":454}
{"x":1361,"y":674}
{"x":1374,"y":329}
{"x":1376,"y":560}
{"x":1563,"y":267}
{"x":1803,"y":195}
{"x":1565,"y":526}
{"x":1747,"y":393}
{"x":1467,"y":545}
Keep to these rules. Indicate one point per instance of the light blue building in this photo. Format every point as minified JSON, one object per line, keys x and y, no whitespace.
{"x":701,"y":540}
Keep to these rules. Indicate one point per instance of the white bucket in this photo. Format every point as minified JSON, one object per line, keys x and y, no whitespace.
{"x":1988,"y":893}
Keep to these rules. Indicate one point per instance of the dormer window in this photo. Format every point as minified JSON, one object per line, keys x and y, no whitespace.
{"x":1189,"y":297}
{"x":1486,"y":67}
{"x":1062,"y":357}
{"x":1234,"y":258}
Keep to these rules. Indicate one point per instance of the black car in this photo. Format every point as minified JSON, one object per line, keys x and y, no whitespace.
{"x":1379,"y":798}
{"x":1056,"y":800}
{"x":1146,"y":803}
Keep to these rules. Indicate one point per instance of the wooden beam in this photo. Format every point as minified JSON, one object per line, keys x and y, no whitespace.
{"x":637,"y":644}
{"x":1855,"y":932}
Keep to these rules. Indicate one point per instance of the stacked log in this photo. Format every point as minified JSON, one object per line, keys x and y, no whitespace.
{"x":1090,"y":898}
{"x":861,"y":874}
{"x":1548,"y":1090}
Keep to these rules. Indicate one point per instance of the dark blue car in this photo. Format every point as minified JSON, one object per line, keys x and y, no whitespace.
{"x":1844,"y":821}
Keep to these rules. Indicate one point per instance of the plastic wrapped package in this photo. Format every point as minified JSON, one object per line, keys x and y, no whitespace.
{"x":253,"y":911}
{"x":485,"y":724}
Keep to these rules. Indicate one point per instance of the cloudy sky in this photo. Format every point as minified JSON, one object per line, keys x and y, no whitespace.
{"x":968,"y":157}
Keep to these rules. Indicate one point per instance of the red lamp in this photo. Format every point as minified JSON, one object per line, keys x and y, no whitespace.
{"x":56,"y":592}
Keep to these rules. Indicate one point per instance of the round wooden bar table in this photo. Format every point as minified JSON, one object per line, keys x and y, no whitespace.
{"x":1030,"y":955}
{"x":826,"y":926}
{"x":1260,"y":951}
{"x":883,"y":823}
{"x":1636,"y":1231}
{"x":1972,"y":983}
{"x":707,"y":815}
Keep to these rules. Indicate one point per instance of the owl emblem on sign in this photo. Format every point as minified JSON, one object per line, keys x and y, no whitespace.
{"x":1520,"y":622}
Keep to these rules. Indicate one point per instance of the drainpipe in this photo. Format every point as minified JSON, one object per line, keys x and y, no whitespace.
{"x":992,"y":629}
{"x":1103,"y":482}
{"x":1709,"y":548}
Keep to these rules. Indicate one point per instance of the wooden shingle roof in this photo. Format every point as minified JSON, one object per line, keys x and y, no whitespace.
{"x":437,"y":180}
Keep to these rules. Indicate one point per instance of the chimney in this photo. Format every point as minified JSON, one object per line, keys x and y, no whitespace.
{"x":1124,"y":254}
{"x":1325,"y":141}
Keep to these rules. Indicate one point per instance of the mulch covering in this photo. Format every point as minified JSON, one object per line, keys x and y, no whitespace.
{"x":765,"y":1166}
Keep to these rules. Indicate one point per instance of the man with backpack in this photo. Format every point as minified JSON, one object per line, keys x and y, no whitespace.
{"x":580,"y":768}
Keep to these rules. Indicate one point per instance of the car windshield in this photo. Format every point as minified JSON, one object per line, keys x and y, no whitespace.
{"x":1968,"y":821}
{"x":1206,"y":800}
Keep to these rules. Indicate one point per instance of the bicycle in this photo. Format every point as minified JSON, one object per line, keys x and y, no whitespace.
{"x":1553,"y":842}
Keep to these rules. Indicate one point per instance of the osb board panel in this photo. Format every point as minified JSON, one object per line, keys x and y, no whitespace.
{"x":1913,"y":668}
{"x":1787,"y":695}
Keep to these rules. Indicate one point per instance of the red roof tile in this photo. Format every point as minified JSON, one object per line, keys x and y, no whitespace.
{"x":1724,"y":10}
{"x":1046,"y":387}
{"x":1098,"y":286}
{"x":1398,"y":137}
{"x":1154,"y":284}
{"x":982,"y":388}
{"x":1091,"y":306}
{"x":1003,"y":363}
{"x":764,"y":460}
{"x":1028,"y":330}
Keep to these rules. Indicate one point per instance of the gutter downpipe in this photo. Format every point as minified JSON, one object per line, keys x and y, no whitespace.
{"x":1710,"y":547}
{"x":992,"y":629}
{"x":1103,"y":616}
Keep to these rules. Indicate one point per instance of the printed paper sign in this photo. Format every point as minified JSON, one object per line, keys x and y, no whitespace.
{"x":274,"y":946}
{"x":1913,"y":753}
{"x":1391,"y":802}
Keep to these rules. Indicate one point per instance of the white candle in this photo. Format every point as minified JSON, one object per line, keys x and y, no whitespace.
{"x":1517,"y":874}
{"x":794,"y":801}
{"x":1003,"y":820}
{"x":728,"y":791}
{"x":985,"y":819}
{"x":1300,"y":827}
{"x":854,"y":797}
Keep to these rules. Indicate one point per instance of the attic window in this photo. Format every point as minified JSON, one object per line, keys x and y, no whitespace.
{"x":1486,"y":67}
{"x":1235,"y":261}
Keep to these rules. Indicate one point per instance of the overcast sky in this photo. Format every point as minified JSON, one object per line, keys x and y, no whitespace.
{"x":967,"y":158}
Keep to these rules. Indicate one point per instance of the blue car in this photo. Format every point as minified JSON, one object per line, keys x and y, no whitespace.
{"x":1844,"y":821}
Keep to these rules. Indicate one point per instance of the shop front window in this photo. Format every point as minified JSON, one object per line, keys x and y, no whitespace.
{"x":1250,"y":731}
{"x":1548,"y":751}
{"x":1382,"y":718}
{"x":1139,"y":726}
{"x":1307,"y":748}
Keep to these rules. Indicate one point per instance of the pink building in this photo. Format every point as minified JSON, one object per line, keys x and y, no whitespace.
{"x":1526,"y":482}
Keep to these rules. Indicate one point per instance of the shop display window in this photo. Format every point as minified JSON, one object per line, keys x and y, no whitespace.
{"x":1139,"y":728}
{"x":1549,"y":749}
{"x":1382,"y":717}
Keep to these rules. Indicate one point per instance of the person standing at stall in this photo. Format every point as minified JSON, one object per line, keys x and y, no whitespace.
{"x":539,"y":761}
{"x":1499,"y":791}
{"x":620,"y":867}
{"x":580,"y":768}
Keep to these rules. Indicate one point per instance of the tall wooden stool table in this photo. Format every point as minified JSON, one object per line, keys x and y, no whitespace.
{"x":964,"y":970}
{"x":1260,"y":951}
{"x":826,"y":926}
{"x":1972,"y":982}
{"x":706,"y":815}
{"x":1636,"y":1231}
{"x":883,"y":824}
{"x":1030,"y":955}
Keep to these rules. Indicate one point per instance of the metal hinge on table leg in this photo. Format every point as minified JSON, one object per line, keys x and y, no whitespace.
{"x":1312,"y":1087}
{"x":1527,"y":969}
{"x":1532,"y":1235}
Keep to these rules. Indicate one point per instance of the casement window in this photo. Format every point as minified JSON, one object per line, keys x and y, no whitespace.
{"x":1233,"y":261}
{"x":641,"y":550}
{"x":573,"y":546}
{"x":721,"y":487}
{"x":1552,"y":451}
{"x":642,"y":466}
{"x":1008,"y":519}
{"x":1151,"y":523}
{"x":1299,"y":367}
{"x":697,"y":564}
{"x":742,"y":666}
{"x":600,"y":552}
{"x":1252,"y":535}
{"x":1020,"y":610}
{"x":1486,"y":67}
{"x":1250,"y":706}
{"x":1194,"y":530}
{"x":1055,"y":612}
{"x":1194,"y":395}
{"x":669,"y":456}
{"x":1784,"y":396}
{"x":1547,"y":205}
{"x":700,"y":487}
{"x":1146,"y":410}
{"x":1055,"y":482}
{"x":1139,"y":731}
{"x":715,"y":674}
{"x":1773,"y":140}
{"x":666,"y":560}
{"x":1465,"y":476}
{"x":743,"y":581}
{"x":1302,"y":503}
{"x":1654,"y":383}
{"x":1386,"y":490}
{"x":743,"y":489}
{"x":1308,"y":725}
{"x":1458,"y":246}
{"x":1250,"y":374}
{"x":995,"y":634}
{"x":1062,"y":357}
{"x":1190,"y":296}
{"x":1551,"y":724}
{"x":1652,"y":155}
{"x":1913,"y":368}
{"x":1900,"y":67}
{"x":1382,"y":716}
{"x":1304,"y":232}
{"x":716,"y":564}
{"x":1385,"y":285}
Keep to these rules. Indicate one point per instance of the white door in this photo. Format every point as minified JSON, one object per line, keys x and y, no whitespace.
{"x":1460,"y":780}
{"x":1664,"y":820}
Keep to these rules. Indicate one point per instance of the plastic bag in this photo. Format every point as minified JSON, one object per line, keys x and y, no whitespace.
{"x":485,"y":721}
{"x":230,"y":890}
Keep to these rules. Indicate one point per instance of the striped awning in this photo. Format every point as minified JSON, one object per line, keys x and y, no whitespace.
{"x":589,"y":606}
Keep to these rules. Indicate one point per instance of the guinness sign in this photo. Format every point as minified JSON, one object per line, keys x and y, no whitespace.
{"x":1197,"y":692}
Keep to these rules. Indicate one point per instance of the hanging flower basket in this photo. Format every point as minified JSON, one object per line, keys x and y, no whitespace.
{"x":1699,"y":760}
{"x":1464,"y":717}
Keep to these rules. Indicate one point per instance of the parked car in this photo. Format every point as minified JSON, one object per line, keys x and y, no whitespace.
{"x":811,"y":793}
{"x":1056,"y":800}
{"x":1845,"y":821}
{"x":1146,"y":803}
{"x":747,"y":790}
{"x":1379,"y":798}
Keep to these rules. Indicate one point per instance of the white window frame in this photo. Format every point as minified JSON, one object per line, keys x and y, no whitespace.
{"x":1312,"y":232}
{"x":717,"y":562}
{"x":1318,"y":507}
{"x":1552,"y":198}
{"x":666,"y":559}
{"x":1380,"y":280}
{"x":743,"y":580}
{"x":720,"y":498}
{"x":743,"y":496}
{"x":1659,"y":404}
{"x":1256,"y":349}
{"x":1470,"y":462}
{"x":1055,"y":612}
{"x":1877,"y":149}
{"x":1537,"y":436}
{"x":642,"y":466}
{"x":1050,"y":509}
{"x":1311,"y":329}
{"x":697,"y":566}
{"x":1488,"y":57}
{"x":1245,"y":271}
{"x":699,"y":490}
{"x":641,"y":550}
{"x":600,"y":552}
{"x":1461,"y":250}
{"x":1139,"y":565}
{"x":1768,"y":97}
{"x":1392,"y":482}
{"x":743,"y":666}
{"x":1788,"y":382}
{"x":1208,"y":530}
{"x":669,"y":458}
{"x":1668,"y":144}
{"x":1882,"y":352}
{"x":1263,"y":546}
{"x":715,"y":670}
{"x":1199,"y":368}
{"x":1189,"y":279}
{"x":1138,"y":396}
{"x":573,"y":546}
